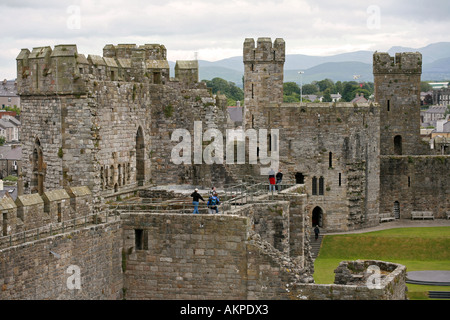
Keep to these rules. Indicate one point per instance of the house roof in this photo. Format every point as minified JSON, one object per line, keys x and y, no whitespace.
{"x":8,"y":88}
{"x":8,"y":153}
{"x":6,"y":124}
{"x":359,"y":98}
{"x":436,"y":109}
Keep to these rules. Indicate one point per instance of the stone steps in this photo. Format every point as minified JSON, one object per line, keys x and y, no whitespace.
{"x":315,"y":245}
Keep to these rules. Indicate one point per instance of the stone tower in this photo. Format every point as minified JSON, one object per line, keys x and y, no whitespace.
{"x":397,"y":91}
{"x":263,"y":77}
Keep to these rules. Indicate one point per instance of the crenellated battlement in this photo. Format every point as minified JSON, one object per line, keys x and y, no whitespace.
{"x":264,"y":51}
{"x":63,"y":70}
{"x":33,"y":211}
{"x":404,"y":62}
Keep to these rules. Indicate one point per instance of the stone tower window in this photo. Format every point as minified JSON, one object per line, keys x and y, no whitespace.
{"x":140,"y":239}
{"x":398,"y":145}
{"x":59,"y":212}
{"x":330,"y":160}
{"x":140,"y":157}
{"x":389,"y":105}
{"x":5,"y":224}
{"x":314,"y":186}
{"x":340,"y":179}
{"x":299,"y":178}
{"x":321,"y":182}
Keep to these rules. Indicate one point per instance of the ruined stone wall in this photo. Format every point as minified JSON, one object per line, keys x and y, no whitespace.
{"x":30,"y":271}
{"x":390,"y":284}
{"x":417,"y":183}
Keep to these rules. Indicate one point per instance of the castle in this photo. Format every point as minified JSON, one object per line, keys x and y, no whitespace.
{"x":106,"y":124}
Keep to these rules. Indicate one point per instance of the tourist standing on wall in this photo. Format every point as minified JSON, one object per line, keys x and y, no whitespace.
{"x":271,"y":180}
{"x":196,"y":199}
{"x":213,"y":203}
{"x":279,"y":177}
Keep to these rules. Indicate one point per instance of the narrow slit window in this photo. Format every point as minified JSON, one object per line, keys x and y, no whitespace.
{"x":389,"y":105}
{"x":340,"y":179}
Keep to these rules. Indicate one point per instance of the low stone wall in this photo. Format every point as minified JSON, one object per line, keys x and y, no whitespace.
{"x":49,"y":268}
{"x":386,"y":281}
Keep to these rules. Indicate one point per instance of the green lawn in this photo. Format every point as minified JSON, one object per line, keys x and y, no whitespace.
{"x":416,"y":248}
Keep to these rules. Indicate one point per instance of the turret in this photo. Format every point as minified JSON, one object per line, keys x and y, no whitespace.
{"x":397,"y":91}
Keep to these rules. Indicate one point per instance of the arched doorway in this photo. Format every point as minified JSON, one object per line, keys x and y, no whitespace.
{"x":140,"y":157}
{"x":317,"y":217}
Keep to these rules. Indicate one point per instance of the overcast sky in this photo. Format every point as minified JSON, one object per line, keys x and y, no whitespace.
{"x":217,"y":29}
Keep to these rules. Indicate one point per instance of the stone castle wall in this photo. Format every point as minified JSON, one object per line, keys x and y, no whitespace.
{"x":416,"y":183}
{"x":30,"y":271}
{"x":85,"y":115}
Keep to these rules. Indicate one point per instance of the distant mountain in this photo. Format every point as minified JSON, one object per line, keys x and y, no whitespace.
{"x":340,"y":67}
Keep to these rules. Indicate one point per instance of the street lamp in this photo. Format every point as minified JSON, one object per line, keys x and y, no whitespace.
{"x":301,"y":86}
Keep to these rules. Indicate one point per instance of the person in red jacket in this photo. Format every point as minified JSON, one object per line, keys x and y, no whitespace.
{"x":271,"y":180}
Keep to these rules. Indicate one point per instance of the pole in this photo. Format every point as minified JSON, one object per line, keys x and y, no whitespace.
{"x":301,"y":85}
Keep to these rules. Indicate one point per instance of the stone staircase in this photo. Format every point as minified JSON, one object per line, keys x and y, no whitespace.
{"x":315,"y":244}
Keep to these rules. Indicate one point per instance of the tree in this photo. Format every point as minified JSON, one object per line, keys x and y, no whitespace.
{"x":325,"y":84}
{"x":338,"y":87}
{"x":310,"y":89}
{"x":290,"y":87}
{"x":327,"y":96}
{"x":2,"y":140}
{"x":348,"y":94}
{"x":228,"y":88}
{"x":425,"y":86}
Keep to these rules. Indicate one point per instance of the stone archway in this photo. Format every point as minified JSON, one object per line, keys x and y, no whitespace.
{"x":317,"y":217}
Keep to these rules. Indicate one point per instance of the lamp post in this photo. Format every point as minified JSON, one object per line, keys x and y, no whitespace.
{"x":301,"y":86}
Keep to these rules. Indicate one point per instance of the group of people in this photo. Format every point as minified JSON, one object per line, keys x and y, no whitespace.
{"x":212,"y":203}
{"x":275,"y":180}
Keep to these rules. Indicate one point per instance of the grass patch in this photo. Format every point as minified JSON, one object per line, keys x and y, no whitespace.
{"x":417,"y":248}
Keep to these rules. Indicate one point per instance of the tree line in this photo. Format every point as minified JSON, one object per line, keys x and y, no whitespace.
{"x":325,"y":88}
{"x":291,"y":90}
